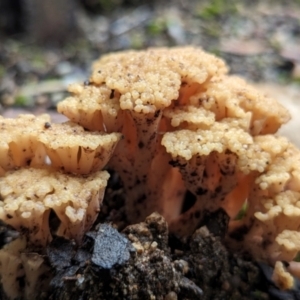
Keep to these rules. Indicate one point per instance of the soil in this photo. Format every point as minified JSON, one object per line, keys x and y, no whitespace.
{"x":258,"y":39}
{"x":148,"y":268}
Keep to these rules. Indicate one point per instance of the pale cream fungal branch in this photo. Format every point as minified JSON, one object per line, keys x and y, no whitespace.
{"x":189,"y":117}
{"x":209,"y":163}
{"x":141,"y":88}
{"x":282,"y":278}
{"x":18,"y":141}
{"x":11,"y":268}
{"x":17,"y":261}
{"x":74,"y":150}
{"x":28,"y":196}
{"x":36,"y":271}
{"x":95,"y":107}
{"x":274,"y":205}
{"x":232,"y":97}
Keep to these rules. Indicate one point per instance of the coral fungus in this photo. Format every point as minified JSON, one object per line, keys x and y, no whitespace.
{"x":169,"y":122}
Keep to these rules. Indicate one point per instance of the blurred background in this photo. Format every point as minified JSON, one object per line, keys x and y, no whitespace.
{"x":46,"y":45}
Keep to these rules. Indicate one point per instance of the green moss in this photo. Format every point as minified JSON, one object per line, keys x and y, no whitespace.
{"x":216,"y":8}
{"x":215,"y":51}
{"x":156,"y":27}
{"x":21,"y":100}
{"x":137,"y":41}
{"x":296,"y":80}
{"x":259,"y":295}
{"x":108,"y":5}
{"x":39,"y":63}
{"x":213,"y":30}
{"x":2,"y":72}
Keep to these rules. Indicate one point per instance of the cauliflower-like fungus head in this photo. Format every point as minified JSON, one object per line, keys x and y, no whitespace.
{"x":29,"y":195}
{"x":187,"y":126}
{"x":272,"y":219}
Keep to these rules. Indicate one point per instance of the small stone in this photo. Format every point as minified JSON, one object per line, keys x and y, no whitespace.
{"x":7,"y":99}
{"x":41,"y":99}
{"x":63,"y":68}
{"x":296,"y":71}
{"x":138,"y":247}
{"x":243,"y":47}
{"x":182,"y":266}
{"x":226,"y":286}
{"x":147,"y":245}
{"x":171,"y":296}
{"x":153,"y":245}
{"x":291,"y":52}
{"x":178,"y":252}
{"x":111,"y":248}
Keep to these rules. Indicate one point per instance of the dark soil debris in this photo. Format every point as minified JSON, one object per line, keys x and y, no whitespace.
{"x":7,"y":234}
{"x":140,"y":265}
